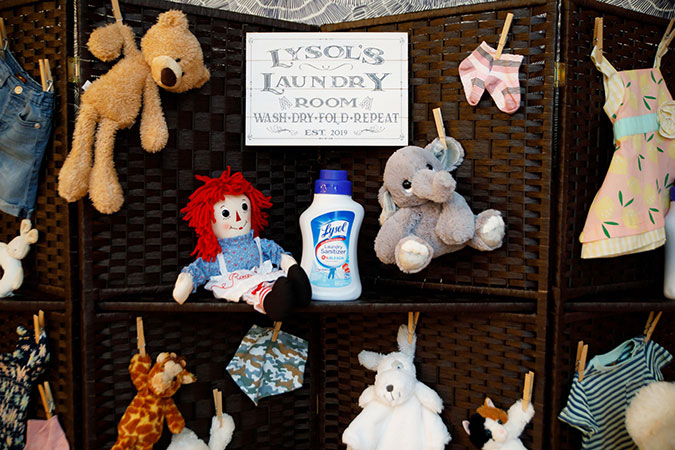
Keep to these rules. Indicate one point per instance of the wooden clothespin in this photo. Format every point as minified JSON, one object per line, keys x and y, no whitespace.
{"x":47,"y":399}
{"x":527,"y":389}
{"x":597,"y":37}
{"x":440,"y":129}
{"x":502,"y":37}
{"x":218,"y":402}
{"x":4,"y":42}
{"x":582,"y":353}
{"x":117,"y":13}
{"x":46,"y":75}
{"x":140,"y":333}
{"x":413,"y":318}
{"x":665,"y":42}
{"x":277,"y":328}
{"x":651,"y":325}
{"x":38,"y":324}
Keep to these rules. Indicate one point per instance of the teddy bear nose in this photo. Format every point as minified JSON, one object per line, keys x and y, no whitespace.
{"x":390,"y":388}
{"x":168,"y":77}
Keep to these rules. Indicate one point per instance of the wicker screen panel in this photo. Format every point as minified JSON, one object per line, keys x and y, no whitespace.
{"x":630,"y":42}
{"x":508,"y":158}
{"x":147,"y":242}
{"x":601,"y":333}
{"x":36,"y":30}
{"x":208,"y":343}
{"x":60,"y":372}
{"x":463,"y":358}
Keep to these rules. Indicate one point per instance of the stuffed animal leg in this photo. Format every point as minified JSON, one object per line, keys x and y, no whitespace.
{"x":219,"y":440}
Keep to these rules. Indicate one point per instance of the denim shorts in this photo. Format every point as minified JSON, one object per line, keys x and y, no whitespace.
{"x":25,"y":126}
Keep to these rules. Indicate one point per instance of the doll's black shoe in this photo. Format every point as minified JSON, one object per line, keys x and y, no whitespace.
{"x":280,"y":301}
{"x":301,"y":286}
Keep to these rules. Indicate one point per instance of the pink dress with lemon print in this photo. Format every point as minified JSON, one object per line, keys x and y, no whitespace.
{"x":627,"y":213}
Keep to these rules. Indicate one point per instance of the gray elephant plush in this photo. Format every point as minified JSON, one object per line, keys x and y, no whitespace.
{"x":422,"y":215}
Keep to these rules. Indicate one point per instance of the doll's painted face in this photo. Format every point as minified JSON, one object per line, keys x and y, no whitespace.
{"x":233,"y":216}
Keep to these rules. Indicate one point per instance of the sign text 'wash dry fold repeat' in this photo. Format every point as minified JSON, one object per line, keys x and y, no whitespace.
{"x":327,"y":89}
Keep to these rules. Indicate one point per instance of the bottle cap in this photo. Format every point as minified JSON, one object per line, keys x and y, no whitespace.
{"x":333,"y":182}
{"x":672,"y":193}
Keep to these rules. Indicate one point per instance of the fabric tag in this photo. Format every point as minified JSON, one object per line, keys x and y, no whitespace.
{"x":20,"y":77}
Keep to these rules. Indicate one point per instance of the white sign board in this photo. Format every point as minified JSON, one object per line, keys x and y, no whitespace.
{"x":327,"y":89}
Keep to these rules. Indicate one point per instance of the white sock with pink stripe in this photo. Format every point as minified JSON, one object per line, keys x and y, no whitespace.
{"x":503,"y":84}
{"x":474,"y":70}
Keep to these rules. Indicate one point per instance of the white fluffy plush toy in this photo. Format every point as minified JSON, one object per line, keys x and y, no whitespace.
{"x":492,"y":428}
{"x":399,"y":412}
{"x":650,"y":417}
{"x":220,"y":436}
{"x":10,"y":258}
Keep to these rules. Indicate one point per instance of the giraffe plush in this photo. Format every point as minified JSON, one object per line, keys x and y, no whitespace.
{"x":142,"y":423}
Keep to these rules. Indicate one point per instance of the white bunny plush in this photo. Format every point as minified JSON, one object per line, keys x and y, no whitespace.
{"x":492,"y":428}
{"x":10,"y":258}
{"x":220,"y":436}
{"x":399,"y":412}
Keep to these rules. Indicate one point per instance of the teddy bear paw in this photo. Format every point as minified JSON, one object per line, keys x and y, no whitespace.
{"x":491,"y":231}
{"x":413,"y":255}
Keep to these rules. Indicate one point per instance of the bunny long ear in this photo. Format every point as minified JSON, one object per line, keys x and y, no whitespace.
{"x":370,"y":360}
{"x":387,"y":204}
{"x":25,"y":226}
{"x":402,"y":339}
{"x":32,"y":236}
{"x":452,"y":157}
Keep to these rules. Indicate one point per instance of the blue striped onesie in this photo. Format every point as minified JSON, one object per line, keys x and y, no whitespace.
{"x":597,"y":405}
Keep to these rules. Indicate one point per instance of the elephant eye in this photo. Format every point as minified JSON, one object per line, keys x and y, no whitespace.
{"x":225,"y":213}
{"x":406,"y":184}
{"x":430,"y":167}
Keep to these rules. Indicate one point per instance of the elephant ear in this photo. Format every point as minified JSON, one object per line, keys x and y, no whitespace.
{"x":451,"y":157}
{"x":387,"y":204}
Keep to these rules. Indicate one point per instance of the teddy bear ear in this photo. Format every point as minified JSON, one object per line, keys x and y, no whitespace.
{"x":465,"y":425}
{"x":173,"y":18}
{"x":370,"y":360}
{"x":451,"y":157}
{"x":387,"y":204}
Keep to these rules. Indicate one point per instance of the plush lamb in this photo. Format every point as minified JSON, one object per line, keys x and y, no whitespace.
{"x":492,"y":428}
{"x":422,"y":215}
{"x":10,"y":258}
{"x":221,"y":435}
{"x":650,"y":417}
{"x":399,"y":412}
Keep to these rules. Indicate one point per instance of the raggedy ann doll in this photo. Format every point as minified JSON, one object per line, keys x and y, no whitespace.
{"x":233,"y":262}
{"x":18,"y":373}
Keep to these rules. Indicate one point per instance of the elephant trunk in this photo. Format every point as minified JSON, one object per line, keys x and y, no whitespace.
{"x":435,"y":186}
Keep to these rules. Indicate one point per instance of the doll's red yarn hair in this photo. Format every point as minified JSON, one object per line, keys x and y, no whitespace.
{"x":199,"y":210}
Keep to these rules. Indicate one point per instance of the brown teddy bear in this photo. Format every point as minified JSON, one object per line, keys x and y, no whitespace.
{"x":170,"y":57}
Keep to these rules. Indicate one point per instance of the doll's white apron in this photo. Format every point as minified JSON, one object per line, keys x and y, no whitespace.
{"x":231,"y":286}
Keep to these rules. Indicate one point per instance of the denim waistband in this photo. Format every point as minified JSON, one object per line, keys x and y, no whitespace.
{"x":10,"y":68}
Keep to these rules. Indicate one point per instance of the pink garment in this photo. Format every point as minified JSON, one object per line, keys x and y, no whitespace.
{"x":46,"y":435}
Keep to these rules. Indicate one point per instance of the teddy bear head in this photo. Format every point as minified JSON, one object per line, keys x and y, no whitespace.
{"x":396,"y":377}
{"x":174,"y":54}
{"x":19,"y":246}
{"x":415,"y":175}
{"x":168,"y":374}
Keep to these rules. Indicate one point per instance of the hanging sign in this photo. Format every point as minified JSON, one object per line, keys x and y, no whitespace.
{"x":327,"y":89}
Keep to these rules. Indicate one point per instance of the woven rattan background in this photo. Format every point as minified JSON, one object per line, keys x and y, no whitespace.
{"x":38,"y":29}
{"x":507,"y":167}
{"x":602,"y":333}
{"x":59,"y":371}
{"x":208,"y":343}
{"x":630,"y":42}
{"x":508,"y":157}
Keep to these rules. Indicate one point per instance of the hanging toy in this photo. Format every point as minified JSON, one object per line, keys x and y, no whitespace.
{"x":399,"y":412}
{"x":10,"y":258}
{"x":492,"y":428}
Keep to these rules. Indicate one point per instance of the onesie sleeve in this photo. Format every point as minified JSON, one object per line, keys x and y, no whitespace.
{"x":272,"y":251}
{"x":657,"y":358}
{"x":577,"y":413}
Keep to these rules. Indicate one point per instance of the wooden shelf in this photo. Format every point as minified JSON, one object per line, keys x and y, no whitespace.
{"x":627,"y":301}
{"x":18,"y":303}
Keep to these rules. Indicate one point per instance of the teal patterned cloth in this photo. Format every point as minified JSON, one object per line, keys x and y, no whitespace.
{"x":262,"y":368}
{"x":18,"y":373}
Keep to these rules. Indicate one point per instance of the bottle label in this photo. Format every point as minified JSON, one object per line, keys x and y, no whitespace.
{"x":330,"y":234}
